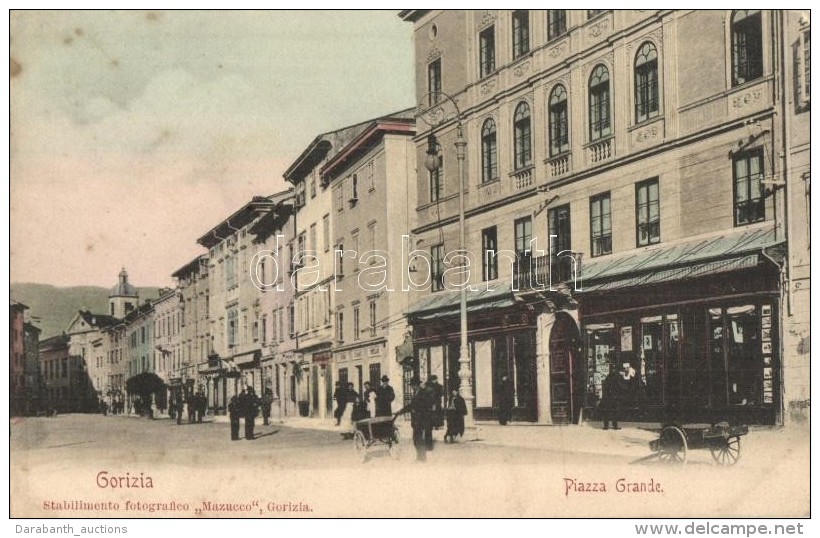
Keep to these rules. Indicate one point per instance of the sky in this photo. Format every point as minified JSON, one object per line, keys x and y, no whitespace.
{"x":135,"y":132}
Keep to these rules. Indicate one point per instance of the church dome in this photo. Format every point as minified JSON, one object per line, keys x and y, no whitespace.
{"x":123,"y":288}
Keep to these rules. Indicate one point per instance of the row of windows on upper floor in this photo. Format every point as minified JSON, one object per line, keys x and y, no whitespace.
{"x":747,"y":65}
{"x":748,"y":208}
{"x":746,"y":45}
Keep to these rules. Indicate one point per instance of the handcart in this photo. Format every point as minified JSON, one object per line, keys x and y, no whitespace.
{"x":378,"y":431}
{"x":676,"y":440}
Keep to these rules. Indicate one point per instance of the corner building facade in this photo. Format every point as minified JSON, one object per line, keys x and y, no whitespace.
{"x":627,"y":168}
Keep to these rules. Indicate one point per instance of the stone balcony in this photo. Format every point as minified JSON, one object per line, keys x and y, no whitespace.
{"x":600,"y":151}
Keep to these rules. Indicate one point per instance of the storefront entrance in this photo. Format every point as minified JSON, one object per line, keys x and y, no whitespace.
{"x":566,"y":371}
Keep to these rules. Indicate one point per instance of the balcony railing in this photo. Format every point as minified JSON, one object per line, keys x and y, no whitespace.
{"x":534,"y":273}
{"x":600,"y":151}
{"x":522,"y":179}
{"x":560,"y":165}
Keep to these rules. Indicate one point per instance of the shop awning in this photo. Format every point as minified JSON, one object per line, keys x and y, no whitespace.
{"x":448,"y":303}
{"x":717,"y":254}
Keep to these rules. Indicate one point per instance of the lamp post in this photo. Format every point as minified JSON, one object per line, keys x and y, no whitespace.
{"x":433,"y":111}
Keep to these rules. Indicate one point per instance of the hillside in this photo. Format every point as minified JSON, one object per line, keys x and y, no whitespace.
{"x":57,"y":306}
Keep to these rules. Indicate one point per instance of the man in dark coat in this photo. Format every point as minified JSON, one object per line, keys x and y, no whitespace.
{"x":506,"y":400}
{"x":611,"y":399}
{"x":421,"y":417}
{"x":251,"y":407}
{"x":267,"y":403}
{"x":340,"y":395}
{"x":384,"y":398}
{"x":234,"y":412}
{"x":438,"y":395}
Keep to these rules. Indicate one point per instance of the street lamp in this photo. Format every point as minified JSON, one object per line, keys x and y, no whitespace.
{"x":434,"y":115}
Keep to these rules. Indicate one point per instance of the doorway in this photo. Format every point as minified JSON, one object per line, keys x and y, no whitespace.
{"x":566,"y":373}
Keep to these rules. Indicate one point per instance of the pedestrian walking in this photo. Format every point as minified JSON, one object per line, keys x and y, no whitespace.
{"x":384,"y":398}
{"x":340,"y":397}
{"x":251,"y":409}
{"x":234,"y":412}
{"x":267,"y":402}
{"x":456,"y":411}
{"x":201,"y":406}
{"x":506,"y":400}
{"x":437,"y":392}
{"x":421,"y":417}
{"x":351,"y":399}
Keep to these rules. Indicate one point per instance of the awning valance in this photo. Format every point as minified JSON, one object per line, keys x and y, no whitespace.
{"x":448,"y":303}
{"x":692,"y":259}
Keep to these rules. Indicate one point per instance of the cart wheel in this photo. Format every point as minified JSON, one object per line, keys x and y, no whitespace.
{"x":672,"y":446}
{"x":360,"y":446}
{"x":728,"y":453}
{"x":394,"y":445}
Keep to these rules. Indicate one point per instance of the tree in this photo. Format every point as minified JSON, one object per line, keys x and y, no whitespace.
{"x":145,"y":385}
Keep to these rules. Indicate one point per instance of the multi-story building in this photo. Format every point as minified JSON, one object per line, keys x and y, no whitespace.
{"x":270,"y":273}
{"x":17,"y":350}
{"x":87,"y":351}
{"x":167,"y":352}
{"x":140,"y":350}
{"x":193,"y":293}
{"x":627,"y":169}
{"x":373,"y":209}
{"x":311,"y":319}
{"x":60,"y":373}
{"x":234,"y":304}
{"x":35,"y":389}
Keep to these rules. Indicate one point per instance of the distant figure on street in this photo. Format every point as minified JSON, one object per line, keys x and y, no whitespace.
{"x":421,"y":417}
{"x":438,"y":396}
{"x":368,"y":401}
{"x":234,"y":412}
{"x":384,"y":398}
{"x":610,"y":399}
{"x":456,"y":411}
{"x":201,"y":406}
{"x":351,"y":399}
{"x":340,"y":397}
{"x":251,"y":408}
{"x":267,"y":402}
{"x":506,"y":400}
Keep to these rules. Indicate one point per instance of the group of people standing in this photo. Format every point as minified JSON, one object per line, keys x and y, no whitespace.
{"x":195,"y":405}
{"x":351,"y":406}
{"x":246,"y":406}
{"x":618,"y":389}
{"x":427,"y":413}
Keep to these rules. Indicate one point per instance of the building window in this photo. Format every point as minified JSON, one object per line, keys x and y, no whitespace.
{"x":749,"y":201}
{"x":556,"y":23}
{"x":255,"y":331}
{"x":340,"y":264}
{"x":521,"y":33}
{"x":559,"y":121}
{"x":523,"y":238}
{"x":355,"y":193}
{"x":313,"y":186}
{"x":489,"y":152}
{"x":523,"y":136}
{"x":592,"y":13}
{"x":356,"y":327}
{"x":560,"y":232}
{"x":233,"y":322}
{"x":434,"y":81}
{"x":436,"y":181}
{"x":326,"y":232}
{"x":437,"y":267}
{"x":600,"y":218}
{"x":747,"y":46}
{"x":599,"y":124}
{"x":340,"y":197}
{"x":291,"y":319}
{"x":373,"y":318}
{"x":371,"y":232}
{"x":804,"y":52}
{"x":486,"y":52}
{"x":371,"y":176}
{"x":314,"y":241}
{"x":489,"y":249}
{"x":648,"y":212}
{"x":646,"y":82}
{"x":340,"y":326}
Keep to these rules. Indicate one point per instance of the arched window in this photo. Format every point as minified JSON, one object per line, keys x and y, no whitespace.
{"x":646,"y":82}
{"x":599,"y":113}
{"x":523,"y":136}
{"x":489,"y":152}
{"x":559,"y":121}
{"x":747,"y":46}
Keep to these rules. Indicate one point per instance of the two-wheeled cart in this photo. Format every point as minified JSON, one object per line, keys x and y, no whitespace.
{"x":378,"y":431}
{"x":676,"y":440}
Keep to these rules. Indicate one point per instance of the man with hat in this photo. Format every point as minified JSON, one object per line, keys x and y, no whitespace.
{"x":421,"y":417}
{"x":384,"y":398}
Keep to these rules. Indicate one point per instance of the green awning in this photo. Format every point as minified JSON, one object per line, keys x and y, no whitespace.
{"x":448,"y":303}
{"x":717,"y":254}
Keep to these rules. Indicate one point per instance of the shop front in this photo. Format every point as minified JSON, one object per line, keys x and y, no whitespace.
{"x":698,"y":342}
